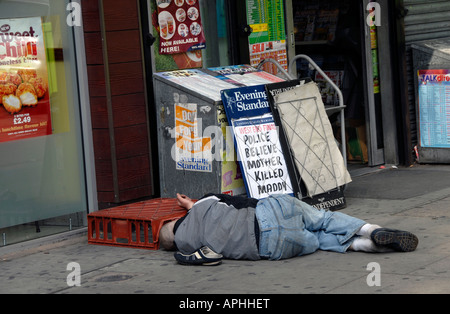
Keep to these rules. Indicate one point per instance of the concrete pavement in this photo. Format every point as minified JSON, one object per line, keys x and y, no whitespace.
{"x":415,"y":199}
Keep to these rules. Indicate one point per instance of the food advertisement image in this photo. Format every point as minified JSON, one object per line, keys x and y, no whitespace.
{"x":24,"y":95}
{"x":180,"y":26}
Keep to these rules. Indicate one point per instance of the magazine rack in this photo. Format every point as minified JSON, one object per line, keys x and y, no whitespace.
{"x":329,"y":109}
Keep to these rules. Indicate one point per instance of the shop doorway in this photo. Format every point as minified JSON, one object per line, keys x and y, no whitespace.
{"x":337,"y":36}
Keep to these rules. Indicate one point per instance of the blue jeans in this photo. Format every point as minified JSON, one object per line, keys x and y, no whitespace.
{"x":290,"y":227}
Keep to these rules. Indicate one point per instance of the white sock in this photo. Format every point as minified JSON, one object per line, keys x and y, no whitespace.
{"x":367,"y":245}
{"x":362,"y":244}
{"x":366,"y":230}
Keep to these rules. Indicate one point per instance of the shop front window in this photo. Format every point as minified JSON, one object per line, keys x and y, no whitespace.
{"x":42,"y":176}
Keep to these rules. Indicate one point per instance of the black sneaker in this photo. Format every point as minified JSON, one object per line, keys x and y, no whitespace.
{"x":401,"y":241}
{"x":203,"y":256}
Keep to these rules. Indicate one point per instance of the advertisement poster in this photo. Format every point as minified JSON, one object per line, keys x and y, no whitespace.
{"x":257,"y":143}
{"x":180,"y":26}
{"x":434,"y":108}
{"x":24,"y":97}
{"x":268,"y":37}
{"x":375,"y":66}
{"x":192,"y":152}
{"x":183,"y":60}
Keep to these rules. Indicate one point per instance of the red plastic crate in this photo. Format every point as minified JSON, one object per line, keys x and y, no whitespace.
{"x":135,"y":225}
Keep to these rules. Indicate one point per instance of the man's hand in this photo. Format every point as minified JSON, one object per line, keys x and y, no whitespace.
{"x":184,"y":201}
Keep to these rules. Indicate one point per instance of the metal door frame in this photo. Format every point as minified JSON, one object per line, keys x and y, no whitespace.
{"x":375,"y":152}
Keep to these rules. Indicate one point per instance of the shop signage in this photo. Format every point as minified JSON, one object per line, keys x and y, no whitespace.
{"x":24,"y":95}
{"x":180,"y":26}
{"x":268,"y":37}
{"x":434,"y":108}
{"x":257,"y":143}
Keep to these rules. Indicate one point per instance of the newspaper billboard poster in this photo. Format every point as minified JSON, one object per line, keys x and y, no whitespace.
{"x":24,"y":95}
{"x":257,"y":143}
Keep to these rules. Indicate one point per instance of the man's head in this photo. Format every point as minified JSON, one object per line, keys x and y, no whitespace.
{"x":166,"y":236}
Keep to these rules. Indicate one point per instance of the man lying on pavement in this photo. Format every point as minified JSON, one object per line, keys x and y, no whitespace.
{"x":281,"y":226}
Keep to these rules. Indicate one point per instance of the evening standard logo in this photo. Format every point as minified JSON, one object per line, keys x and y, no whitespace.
{"x":194,"y":164}
{"x":251,"y":101}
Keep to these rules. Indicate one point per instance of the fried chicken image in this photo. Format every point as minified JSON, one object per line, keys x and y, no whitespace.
{"x":6,"y":89}
{"x":27,"y":74}
{"x":40,"y":86}
{"x":11,"y":103}
{"x":4,"y":77}
{"x":27,"y":94}
{"x":20,"y":88}
{"x":10,"y":77}
{"x":15,"y":78}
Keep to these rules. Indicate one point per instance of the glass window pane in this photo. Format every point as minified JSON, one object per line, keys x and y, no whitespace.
{"x":217,"y":51}
{"x":42,"y":177}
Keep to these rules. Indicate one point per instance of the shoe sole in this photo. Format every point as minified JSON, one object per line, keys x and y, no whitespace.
{"x":198,"y":262}
{"x":402,"y":241}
